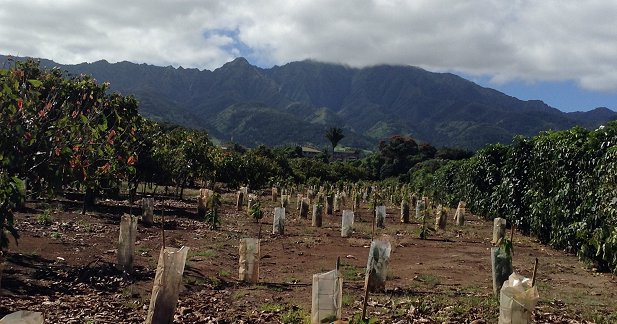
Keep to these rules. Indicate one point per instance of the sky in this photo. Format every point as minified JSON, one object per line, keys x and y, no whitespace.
{"x":563,"y":52}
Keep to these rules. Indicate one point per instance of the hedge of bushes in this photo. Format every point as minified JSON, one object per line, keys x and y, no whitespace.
{"x":560,"y":186}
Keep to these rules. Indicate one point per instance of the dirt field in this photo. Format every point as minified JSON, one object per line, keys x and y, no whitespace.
{"x":65,"y":268}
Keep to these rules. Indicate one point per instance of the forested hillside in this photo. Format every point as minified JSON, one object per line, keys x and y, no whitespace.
{"x":297,"y":101}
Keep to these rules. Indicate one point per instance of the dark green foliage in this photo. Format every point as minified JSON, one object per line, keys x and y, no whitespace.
{"x":559,"y":186}
{"x":11,"y":195}
{"x":398,"y":155}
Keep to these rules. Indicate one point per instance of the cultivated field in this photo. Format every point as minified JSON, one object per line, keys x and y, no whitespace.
{"x":64,"y":267}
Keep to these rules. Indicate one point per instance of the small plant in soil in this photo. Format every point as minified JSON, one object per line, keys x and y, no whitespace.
{"x":45,"y":218}
{"x":256,"y":212}
{"x":55,"y":235}
{"x":350,"y":272}
{"x":431,"y":281}
{"x":270,"y":308}
{"x":212,"y":217}
{"x":347,"y":300}
{"x":357,"y":319}
{"x":296,"y":315}
{"x":85,"y":225}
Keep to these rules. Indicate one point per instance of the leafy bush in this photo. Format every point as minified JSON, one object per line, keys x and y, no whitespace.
{"x":559,"y":186}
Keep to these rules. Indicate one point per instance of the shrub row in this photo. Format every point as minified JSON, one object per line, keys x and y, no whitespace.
{"x":560,"y":186}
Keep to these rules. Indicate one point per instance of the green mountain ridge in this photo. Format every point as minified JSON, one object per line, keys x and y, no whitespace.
{"x":295,"y":103}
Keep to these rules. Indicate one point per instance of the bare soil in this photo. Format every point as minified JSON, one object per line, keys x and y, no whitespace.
{"x":66,"y":268}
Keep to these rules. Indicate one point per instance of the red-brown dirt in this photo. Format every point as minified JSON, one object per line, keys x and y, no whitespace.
{"x":66,"y":270}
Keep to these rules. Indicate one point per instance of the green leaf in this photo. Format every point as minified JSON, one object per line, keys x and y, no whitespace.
{"x":103,"y":124}
{"x":35,"y":83}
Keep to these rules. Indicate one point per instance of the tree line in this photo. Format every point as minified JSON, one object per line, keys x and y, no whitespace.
{"x":559,"y":186}
{"x":62,"y":133}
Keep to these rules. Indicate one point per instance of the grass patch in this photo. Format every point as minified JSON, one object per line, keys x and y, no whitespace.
{"x":270,"y":307}
{"x":85,"y":225}
{"x":351,"y":273}
{"x":347,"y":300}
{"x":224,"y":273}
{"x":291,"y":280}
{"x":428,"y":280}
{"x":201,"y":253}
{"x":45,"y":218}
{"x":239,"y":294}
{"x":295,"y":315}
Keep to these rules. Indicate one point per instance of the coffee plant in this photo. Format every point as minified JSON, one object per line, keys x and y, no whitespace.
{"x":558,"y":186}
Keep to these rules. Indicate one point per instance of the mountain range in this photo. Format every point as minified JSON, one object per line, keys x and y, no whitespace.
{"x":295,"y":103}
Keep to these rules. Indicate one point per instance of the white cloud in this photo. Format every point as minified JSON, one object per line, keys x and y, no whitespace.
{"x":507,"y":40}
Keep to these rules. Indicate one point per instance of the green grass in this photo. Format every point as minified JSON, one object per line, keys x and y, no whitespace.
{"x":224,"y":273}
{"x":347,"y":300}
{"x":295,"y":315}
{"x":201,"y":253}
{"x":428,"y":280}
{"x":351,"y":272}
{"x":270,"y":307}
{"x":288,"y":314}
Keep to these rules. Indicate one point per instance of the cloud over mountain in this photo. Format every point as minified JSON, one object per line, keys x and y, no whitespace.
{"x":505,"y":40}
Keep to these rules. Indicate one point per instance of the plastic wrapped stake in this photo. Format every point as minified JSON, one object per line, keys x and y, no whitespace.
{"x":166,"y":286}
{"x":377,"y":265}
{"x":327,"y":297}
{"x":499,"y":229}
{"x":380,"y":216}
{"x":278,"y":225}
{"x":249,"y":257}
{"x":517,"y":300}
{"x":148,"y":211}
{"x":501,"y":262}
{"x":347,"y":223}
{"x":126,"y":242}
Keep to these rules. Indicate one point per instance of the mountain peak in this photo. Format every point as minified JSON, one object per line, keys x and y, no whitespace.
{"x":238,"y":61}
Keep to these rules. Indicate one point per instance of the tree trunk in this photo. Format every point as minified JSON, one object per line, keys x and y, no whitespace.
{"x":89,"y":199}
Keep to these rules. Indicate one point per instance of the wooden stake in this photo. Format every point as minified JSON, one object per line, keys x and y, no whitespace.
{"x":365,"y":304}
{"x":374,"y":216}
{"x":512,"y":238}
{"x":163,"y":224}
{"x":533,"y":277}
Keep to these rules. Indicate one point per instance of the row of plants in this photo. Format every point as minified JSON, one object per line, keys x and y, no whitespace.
{"x":560,"y":186}
{"x":59,"y":132}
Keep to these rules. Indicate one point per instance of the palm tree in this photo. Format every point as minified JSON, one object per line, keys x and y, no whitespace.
{"x":334,"y":135}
